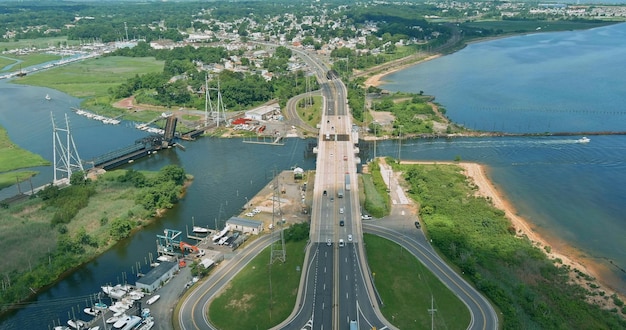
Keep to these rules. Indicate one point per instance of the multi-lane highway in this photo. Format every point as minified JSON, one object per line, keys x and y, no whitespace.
{"x":336,"y":287}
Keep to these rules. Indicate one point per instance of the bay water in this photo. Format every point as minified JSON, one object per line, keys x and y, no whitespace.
{"x":573,"y":193}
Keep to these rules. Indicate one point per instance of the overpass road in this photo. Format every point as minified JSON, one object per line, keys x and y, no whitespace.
{"x":336,"y":287}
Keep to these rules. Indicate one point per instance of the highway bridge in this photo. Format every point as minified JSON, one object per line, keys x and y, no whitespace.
{"x":336,"y":288}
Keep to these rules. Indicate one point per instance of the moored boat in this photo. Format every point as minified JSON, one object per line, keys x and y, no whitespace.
{"x":91,"y":311}
{"x":200,"y":230}
{"x":78,"y":324}
{"x":146,"y":324}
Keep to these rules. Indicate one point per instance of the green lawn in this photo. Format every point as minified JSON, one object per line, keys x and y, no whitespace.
{"x":312,"y":115}
{"x":93,"y":78}
{"x":406,"y":288}
{"x":12,"y":158}
{"x":38,"y":43}
{"x":246,"y":304}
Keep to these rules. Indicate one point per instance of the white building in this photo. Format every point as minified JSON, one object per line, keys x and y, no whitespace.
{"x":245,"y":225}
{"x":263,"y":112}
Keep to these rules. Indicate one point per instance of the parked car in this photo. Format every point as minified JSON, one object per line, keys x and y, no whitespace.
{"x":366,"y":217}
{"x":417,"y":224}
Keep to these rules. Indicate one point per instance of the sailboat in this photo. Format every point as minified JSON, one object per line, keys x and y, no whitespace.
{"x":48,"y":97}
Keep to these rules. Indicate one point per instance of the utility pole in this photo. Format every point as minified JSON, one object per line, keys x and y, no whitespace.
{"x":432,"y":311}
{"x":399,"y":142}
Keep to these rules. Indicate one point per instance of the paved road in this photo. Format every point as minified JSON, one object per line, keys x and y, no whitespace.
{"x":194,"y":309}
{"x":336,"y":286}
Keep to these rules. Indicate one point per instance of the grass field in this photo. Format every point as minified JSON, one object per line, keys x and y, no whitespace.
{"x":26,"y":61}
{"x":10,"y":178}
{"x":246,"y":303}
{"x":38,"y":43}
{"x":12,"y":158}
{"x":406,"y":288}
{"x":94,"y":77}
{"x":31,"y":219}
{"x":312,"y":115}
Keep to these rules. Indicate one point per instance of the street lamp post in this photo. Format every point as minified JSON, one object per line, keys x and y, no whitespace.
{"x":399,"y":142}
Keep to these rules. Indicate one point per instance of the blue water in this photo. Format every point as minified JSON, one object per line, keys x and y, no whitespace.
{"x":550,"y":82}
{"x":553,"y":82}
{"x":571,"y":191}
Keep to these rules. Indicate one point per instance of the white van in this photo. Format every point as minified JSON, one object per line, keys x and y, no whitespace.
{"x":341,"y":243}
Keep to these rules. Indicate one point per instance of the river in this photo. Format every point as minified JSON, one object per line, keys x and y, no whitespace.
{"x":574,"y":193}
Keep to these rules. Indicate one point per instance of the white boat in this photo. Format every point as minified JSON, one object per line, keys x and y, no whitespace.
{"x":114,"y":318}
{"x":153,"y":300}
{"x":100,"y":306}
{"x":48,"y":97}
{"x":91,"y":311}
{"x":583,"y":139}
{"x":97,"y":327}
{"x":130,"y":323}
{"x":122,"y":321}
{"x":200,"y":230}
{"x":146,"y":324}
{"x":78,"y":324}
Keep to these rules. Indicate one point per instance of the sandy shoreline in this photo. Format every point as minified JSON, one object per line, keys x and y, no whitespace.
{"x":376,"y":80}
{"x":568,"y":254}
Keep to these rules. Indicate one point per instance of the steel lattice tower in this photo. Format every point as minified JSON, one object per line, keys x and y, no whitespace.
{"x":66,"y":158}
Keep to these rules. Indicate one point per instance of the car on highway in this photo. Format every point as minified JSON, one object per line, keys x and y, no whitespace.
{"x":349,"y":237}
{"x":345,"y":157}
{"x":341,"y":210}
{"x":366,"y":217}
{"x":342,"y":223}
{"x":417,"y":224}
{"x":325,"y":193}
{"x":328,"y":242}
{"x":341,"y":243}
{"x":332,"y":199}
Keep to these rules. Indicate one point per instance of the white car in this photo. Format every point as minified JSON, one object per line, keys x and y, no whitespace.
{"x":349,"y":238}
{"x":366,"y":217}
{"x":249,"y":214}
{"x":328,"y":242}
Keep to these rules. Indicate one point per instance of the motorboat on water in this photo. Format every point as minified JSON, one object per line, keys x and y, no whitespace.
{"x":78,"y":324}
{"x":200,"y":230}
{"x":127,"y":323}
{"x":61,"y":327}
{"x":146,"y":324}
{"x":115,"y":318}
{"x":91,"y":311}
{"x":122,"y":321}
{"x":583,"y":139}
{"x":48,"y":97}
{"x":99,"y":306}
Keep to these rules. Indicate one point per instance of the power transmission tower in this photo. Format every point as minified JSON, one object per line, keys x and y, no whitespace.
{"x":219,"y":113}
{"x":66,"y":159}
{"x":278,"y":243}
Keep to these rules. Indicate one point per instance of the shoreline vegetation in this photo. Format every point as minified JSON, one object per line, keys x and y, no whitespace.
{"x":581,"y":270}
{"x":471,"y":225}
{"x":75,"y":224}
{"x":555,"y":249}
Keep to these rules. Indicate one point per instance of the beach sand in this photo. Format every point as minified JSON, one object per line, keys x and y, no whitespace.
{"x":376,"y":79}
{"x":569,"y":255}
